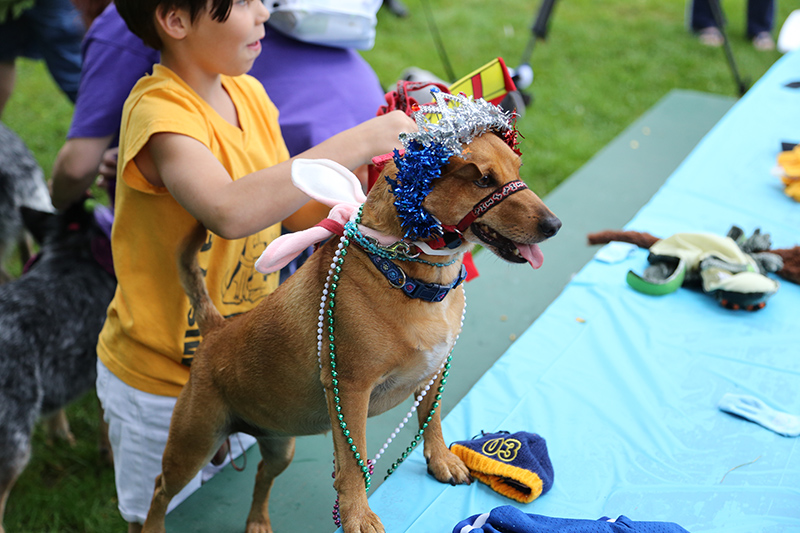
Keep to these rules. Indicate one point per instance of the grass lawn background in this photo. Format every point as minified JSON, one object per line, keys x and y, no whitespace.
{"x":605,"y":62}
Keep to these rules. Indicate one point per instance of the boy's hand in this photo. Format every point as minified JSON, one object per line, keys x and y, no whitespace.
{"x":385,"y":130}
{"x":108,"y":167}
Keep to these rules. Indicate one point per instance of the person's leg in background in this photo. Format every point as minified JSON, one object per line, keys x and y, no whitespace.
{"x":702,"y":22}
{"x":13,"y":31}
{"x":760,"y":21}
{"x":8,"y":76}
{"x":59,"y":30}
{"x":396,"y":7}
{"x":51,"y":30}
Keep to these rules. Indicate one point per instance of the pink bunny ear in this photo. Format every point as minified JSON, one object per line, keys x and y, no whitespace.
{"x":282,"y":250}
{"x":327,"y":182}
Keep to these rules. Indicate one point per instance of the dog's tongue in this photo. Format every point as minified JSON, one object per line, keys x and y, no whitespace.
{"x":531,"y":253}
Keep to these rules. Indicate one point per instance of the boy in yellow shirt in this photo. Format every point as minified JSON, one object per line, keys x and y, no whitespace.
{"x":199,"y":142}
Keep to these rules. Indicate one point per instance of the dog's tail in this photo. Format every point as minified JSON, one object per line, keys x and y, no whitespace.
{"x":640,"y":239}
{"x":192,"y":279}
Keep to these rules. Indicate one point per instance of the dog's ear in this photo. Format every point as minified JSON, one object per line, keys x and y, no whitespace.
{"x":46,"y":226}
{"x":80,"y":213}
{"x":40,"y":224}
{"x":462,"y":169}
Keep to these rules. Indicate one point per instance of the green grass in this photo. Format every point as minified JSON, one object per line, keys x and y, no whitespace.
{"x":602,"y":66}
{"x":66,"y":489}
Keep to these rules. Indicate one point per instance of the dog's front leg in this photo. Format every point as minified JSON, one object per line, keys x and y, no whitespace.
{"x":443,"y":464}
{"x":58,"y":428}
{"x":352,"y":411}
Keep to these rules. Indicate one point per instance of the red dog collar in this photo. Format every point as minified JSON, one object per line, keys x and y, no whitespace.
{"x":453,"y":234}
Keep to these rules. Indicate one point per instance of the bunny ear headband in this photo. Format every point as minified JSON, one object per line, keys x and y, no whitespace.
{"x":444,"y":127}
{"x":327,"y":182}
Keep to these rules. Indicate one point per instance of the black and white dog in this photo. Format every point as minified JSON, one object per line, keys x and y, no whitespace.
{"x":50,"y":319}
{"x":21,"y":184}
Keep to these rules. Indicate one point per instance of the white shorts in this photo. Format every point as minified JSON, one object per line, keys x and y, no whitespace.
{"x":138,"y":426}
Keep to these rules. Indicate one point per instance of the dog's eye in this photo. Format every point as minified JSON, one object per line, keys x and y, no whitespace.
{"x":484,"y":181}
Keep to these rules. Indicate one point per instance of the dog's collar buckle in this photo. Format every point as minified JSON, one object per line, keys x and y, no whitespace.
{"x":402,"y":249}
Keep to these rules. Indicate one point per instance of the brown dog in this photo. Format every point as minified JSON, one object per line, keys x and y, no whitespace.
{"x":259,"y":372}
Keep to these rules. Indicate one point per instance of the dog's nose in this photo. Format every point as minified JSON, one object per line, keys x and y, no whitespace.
{"x":550,"y":226}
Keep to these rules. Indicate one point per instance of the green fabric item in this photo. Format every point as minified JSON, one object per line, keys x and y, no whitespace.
{"x":658,"y":284}
{"x":11,"y":9}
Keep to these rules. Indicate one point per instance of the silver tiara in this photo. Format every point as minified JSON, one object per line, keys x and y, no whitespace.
{"x":460,"y":119}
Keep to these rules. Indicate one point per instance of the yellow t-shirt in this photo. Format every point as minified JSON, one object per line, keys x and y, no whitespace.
{"x":150,"y":333}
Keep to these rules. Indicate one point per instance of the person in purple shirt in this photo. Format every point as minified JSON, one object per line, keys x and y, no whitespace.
{"x":318,"y":90}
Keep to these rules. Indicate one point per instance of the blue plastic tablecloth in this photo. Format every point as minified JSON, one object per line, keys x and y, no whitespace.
{"x":624,"y":386}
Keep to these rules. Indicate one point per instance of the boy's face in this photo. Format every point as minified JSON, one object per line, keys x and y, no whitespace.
{"x":232,"y":46}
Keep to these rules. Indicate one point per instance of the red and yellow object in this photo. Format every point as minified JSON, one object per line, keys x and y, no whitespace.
{"x":492,"y":82}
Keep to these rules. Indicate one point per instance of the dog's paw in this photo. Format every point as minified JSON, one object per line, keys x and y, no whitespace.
{"x":364,"y":521}
{"x":447,"y":467}
{"x":258,"y":527}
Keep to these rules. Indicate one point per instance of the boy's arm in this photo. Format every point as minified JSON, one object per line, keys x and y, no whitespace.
{"x":235,"y":209}
{"x":306,"y":216}
{"x":110,"y":69}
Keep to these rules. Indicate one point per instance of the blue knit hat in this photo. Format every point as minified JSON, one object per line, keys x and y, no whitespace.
{"x":515,"y":465}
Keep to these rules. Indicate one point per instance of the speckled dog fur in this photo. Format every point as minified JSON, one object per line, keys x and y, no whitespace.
{"x":21,"y":184}
{"x":50,"y":319}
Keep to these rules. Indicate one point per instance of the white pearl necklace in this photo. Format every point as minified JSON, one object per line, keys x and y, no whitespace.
{"x":321,"y":330}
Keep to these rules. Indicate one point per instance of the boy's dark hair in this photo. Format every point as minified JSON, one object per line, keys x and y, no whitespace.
{"x":139,"y":15}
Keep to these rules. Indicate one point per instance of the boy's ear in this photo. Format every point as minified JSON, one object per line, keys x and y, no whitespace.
{"x":173,"y":22}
